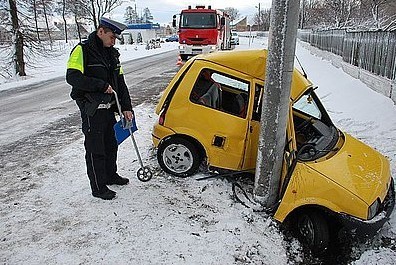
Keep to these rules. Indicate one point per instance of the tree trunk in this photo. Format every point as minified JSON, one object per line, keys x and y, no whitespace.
{"x":46,"y":22}
{"x":18,"y":55}
{"x":95,"y":21}
{"x":275,"y":105}
{"x":78,"y":28}
{"x":35,"y":20}
{"x":64,"y":19}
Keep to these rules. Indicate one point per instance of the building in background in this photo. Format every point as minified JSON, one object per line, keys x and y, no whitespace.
{"x":240,"y":25}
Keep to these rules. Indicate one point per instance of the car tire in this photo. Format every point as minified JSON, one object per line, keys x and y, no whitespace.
{"x":184,"y":57}
{"x":178,"y":156}
{"x":313,"y":230}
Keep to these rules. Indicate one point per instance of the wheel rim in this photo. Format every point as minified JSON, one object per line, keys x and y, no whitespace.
{"x":178,"y":158}
{"x":306,"y":229}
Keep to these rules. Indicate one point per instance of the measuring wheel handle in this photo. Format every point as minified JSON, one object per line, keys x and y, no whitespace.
{"x":144,"y":174}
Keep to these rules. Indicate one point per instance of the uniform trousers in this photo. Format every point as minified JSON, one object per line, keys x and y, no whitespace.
{"x":100,"y":148}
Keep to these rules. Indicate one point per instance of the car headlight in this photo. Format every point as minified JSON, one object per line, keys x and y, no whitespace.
{"x":181,"y":47}
{"x":213,"y":47}
{"x":373,"y":209}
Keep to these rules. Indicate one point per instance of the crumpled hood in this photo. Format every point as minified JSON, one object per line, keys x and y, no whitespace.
{"x":358,"y":168}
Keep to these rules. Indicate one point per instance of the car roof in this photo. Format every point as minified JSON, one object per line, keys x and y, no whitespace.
{"x":253,"y":63}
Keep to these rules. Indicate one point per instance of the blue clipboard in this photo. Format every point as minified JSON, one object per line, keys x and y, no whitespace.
{"x":122,"y":133}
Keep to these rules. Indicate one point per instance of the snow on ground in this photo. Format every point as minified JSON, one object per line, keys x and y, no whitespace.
{"x":170,"y":220}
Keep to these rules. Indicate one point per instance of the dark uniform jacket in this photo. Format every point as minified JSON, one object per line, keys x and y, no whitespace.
{"x":90,"y":69}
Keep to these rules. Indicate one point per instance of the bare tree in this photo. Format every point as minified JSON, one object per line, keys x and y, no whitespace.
{"x":383,"y":13}
{"x":18,"y":57}
{"x":72,"y":9}
{"x":363,"y":14}
{"x":35,"y":19}
{"x":98,"y":8}
{"x":46,"y":6}
{"x":313,"y":14}
{"x":130,"y":16}
{"x":24,"y":48}
{"x":232,"y":12}
{"x":147,"y":16}
{"x":64,"y":18}
{"x":263,"y":19}
{"x":341,"y":11}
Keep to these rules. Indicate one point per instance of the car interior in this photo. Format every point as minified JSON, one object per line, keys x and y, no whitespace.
{"x":221,"y":92}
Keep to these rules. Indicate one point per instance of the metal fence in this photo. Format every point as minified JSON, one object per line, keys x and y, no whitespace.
{"x":374,"y":51}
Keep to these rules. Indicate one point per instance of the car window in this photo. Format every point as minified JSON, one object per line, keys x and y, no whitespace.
{"x":308,"y":106}
{"x":222,"y":92}
{"x":231,"y":82}
{"x":257,"y":104}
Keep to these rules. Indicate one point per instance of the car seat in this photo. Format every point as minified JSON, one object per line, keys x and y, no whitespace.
{"x":239,"y":105}
{"x":212,"y":97}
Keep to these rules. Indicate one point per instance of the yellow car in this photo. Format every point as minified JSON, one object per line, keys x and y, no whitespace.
{"x":210,"y":113}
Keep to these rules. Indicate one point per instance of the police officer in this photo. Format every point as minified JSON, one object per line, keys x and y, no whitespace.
{"x":94,"y":72}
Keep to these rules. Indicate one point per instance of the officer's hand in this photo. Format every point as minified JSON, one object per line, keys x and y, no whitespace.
{"x":109,"y":90}
{"x":128,"y":115}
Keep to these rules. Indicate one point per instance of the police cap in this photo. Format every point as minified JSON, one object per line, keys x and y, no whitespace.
{"x":114,"y":26}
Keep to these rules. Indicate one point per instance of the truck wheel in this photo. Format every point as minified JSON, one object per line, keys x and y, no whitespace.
{"x":313,"y":230}
{"x":178,"y":157}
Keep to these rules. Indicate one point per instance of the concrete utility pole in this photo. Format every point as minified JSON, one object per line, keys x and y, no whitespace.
{"x":275,"y":105}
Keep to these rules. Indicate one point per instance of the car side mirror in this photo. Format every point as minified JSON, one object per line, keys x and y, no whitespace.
{"x":222,"y":21}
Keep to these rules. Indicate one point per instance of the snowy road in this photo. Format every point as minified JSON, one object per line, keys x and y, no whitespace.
{"x":29,"y":109}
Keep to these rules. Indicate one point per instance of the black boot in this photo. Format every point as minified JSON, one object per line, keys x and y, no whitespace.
{"x":105,"y":194}
{"x":117,"y":180}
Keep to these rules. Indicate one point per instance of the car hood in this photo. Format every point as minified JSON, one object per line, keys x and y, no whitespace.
{"x":358,"y":168}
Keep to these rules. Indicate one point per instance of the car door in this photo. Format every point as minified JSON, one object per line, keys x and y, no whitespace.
{"x":221,"y":127}
{"x":254,"y":116}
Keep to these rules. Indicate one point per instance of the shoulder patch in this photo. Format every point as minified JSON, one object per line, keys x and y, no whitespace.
{"x":76,"y":59}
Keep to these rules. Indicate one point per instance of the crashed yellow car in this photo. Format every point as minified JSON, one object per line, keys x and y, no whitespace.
{"x":210,"y":113}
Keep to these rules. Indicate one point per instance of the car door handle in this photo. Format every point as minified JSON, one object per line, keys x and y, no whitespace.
{"x":218,"y":141}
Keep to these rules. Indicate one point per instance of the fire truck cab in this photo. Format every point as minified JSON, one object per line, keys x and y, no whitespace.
{"x":202,"y":30}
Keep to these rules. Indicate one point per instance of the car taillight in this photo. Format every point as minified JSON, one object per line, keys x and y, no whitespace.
{"x":161,"y":119}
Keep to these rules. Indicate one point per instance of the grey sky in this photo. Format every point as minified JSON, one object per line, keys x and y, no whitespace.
{"x":163,"y":10}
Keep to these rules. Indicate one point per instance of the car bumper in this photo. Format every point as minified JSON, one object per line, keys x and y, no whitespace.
{"x":159,"y":133}
{"x":368,"y":228}
{"x":196,"y":49}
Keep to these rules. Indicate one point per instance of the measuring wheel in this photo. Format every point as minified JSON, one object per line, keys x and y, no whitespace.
{"x":144,"y":174}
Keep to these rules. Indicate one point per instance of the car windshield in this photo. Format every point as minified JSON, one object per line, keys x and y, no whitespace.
{"x":315,"y":133}
{"x":198,"y":20}
{"x":307,"y":105}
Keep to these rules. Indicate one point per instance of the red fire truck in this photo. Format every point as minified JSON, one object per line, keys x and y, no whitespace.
{"x":203,"y":30}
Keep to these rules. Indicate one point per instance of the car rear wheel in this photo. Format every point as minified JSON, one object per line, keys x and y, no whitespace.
{"x":178,"y":157}
{"x":313,"y":230}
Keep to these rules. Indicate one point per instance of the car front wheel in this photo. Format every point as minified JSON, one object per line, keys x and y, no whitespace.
{"x":313,"y":230}
{"x":178,"y":157}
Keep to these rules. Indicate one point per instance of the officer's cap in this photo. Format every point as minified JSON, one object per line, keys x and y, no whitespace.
{"x":114,"y":26}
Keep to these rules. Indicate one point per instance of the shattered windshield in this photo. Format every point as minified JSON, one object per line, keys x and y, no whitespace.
{"x":306,"y":104}
{"x":315,"y":134}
